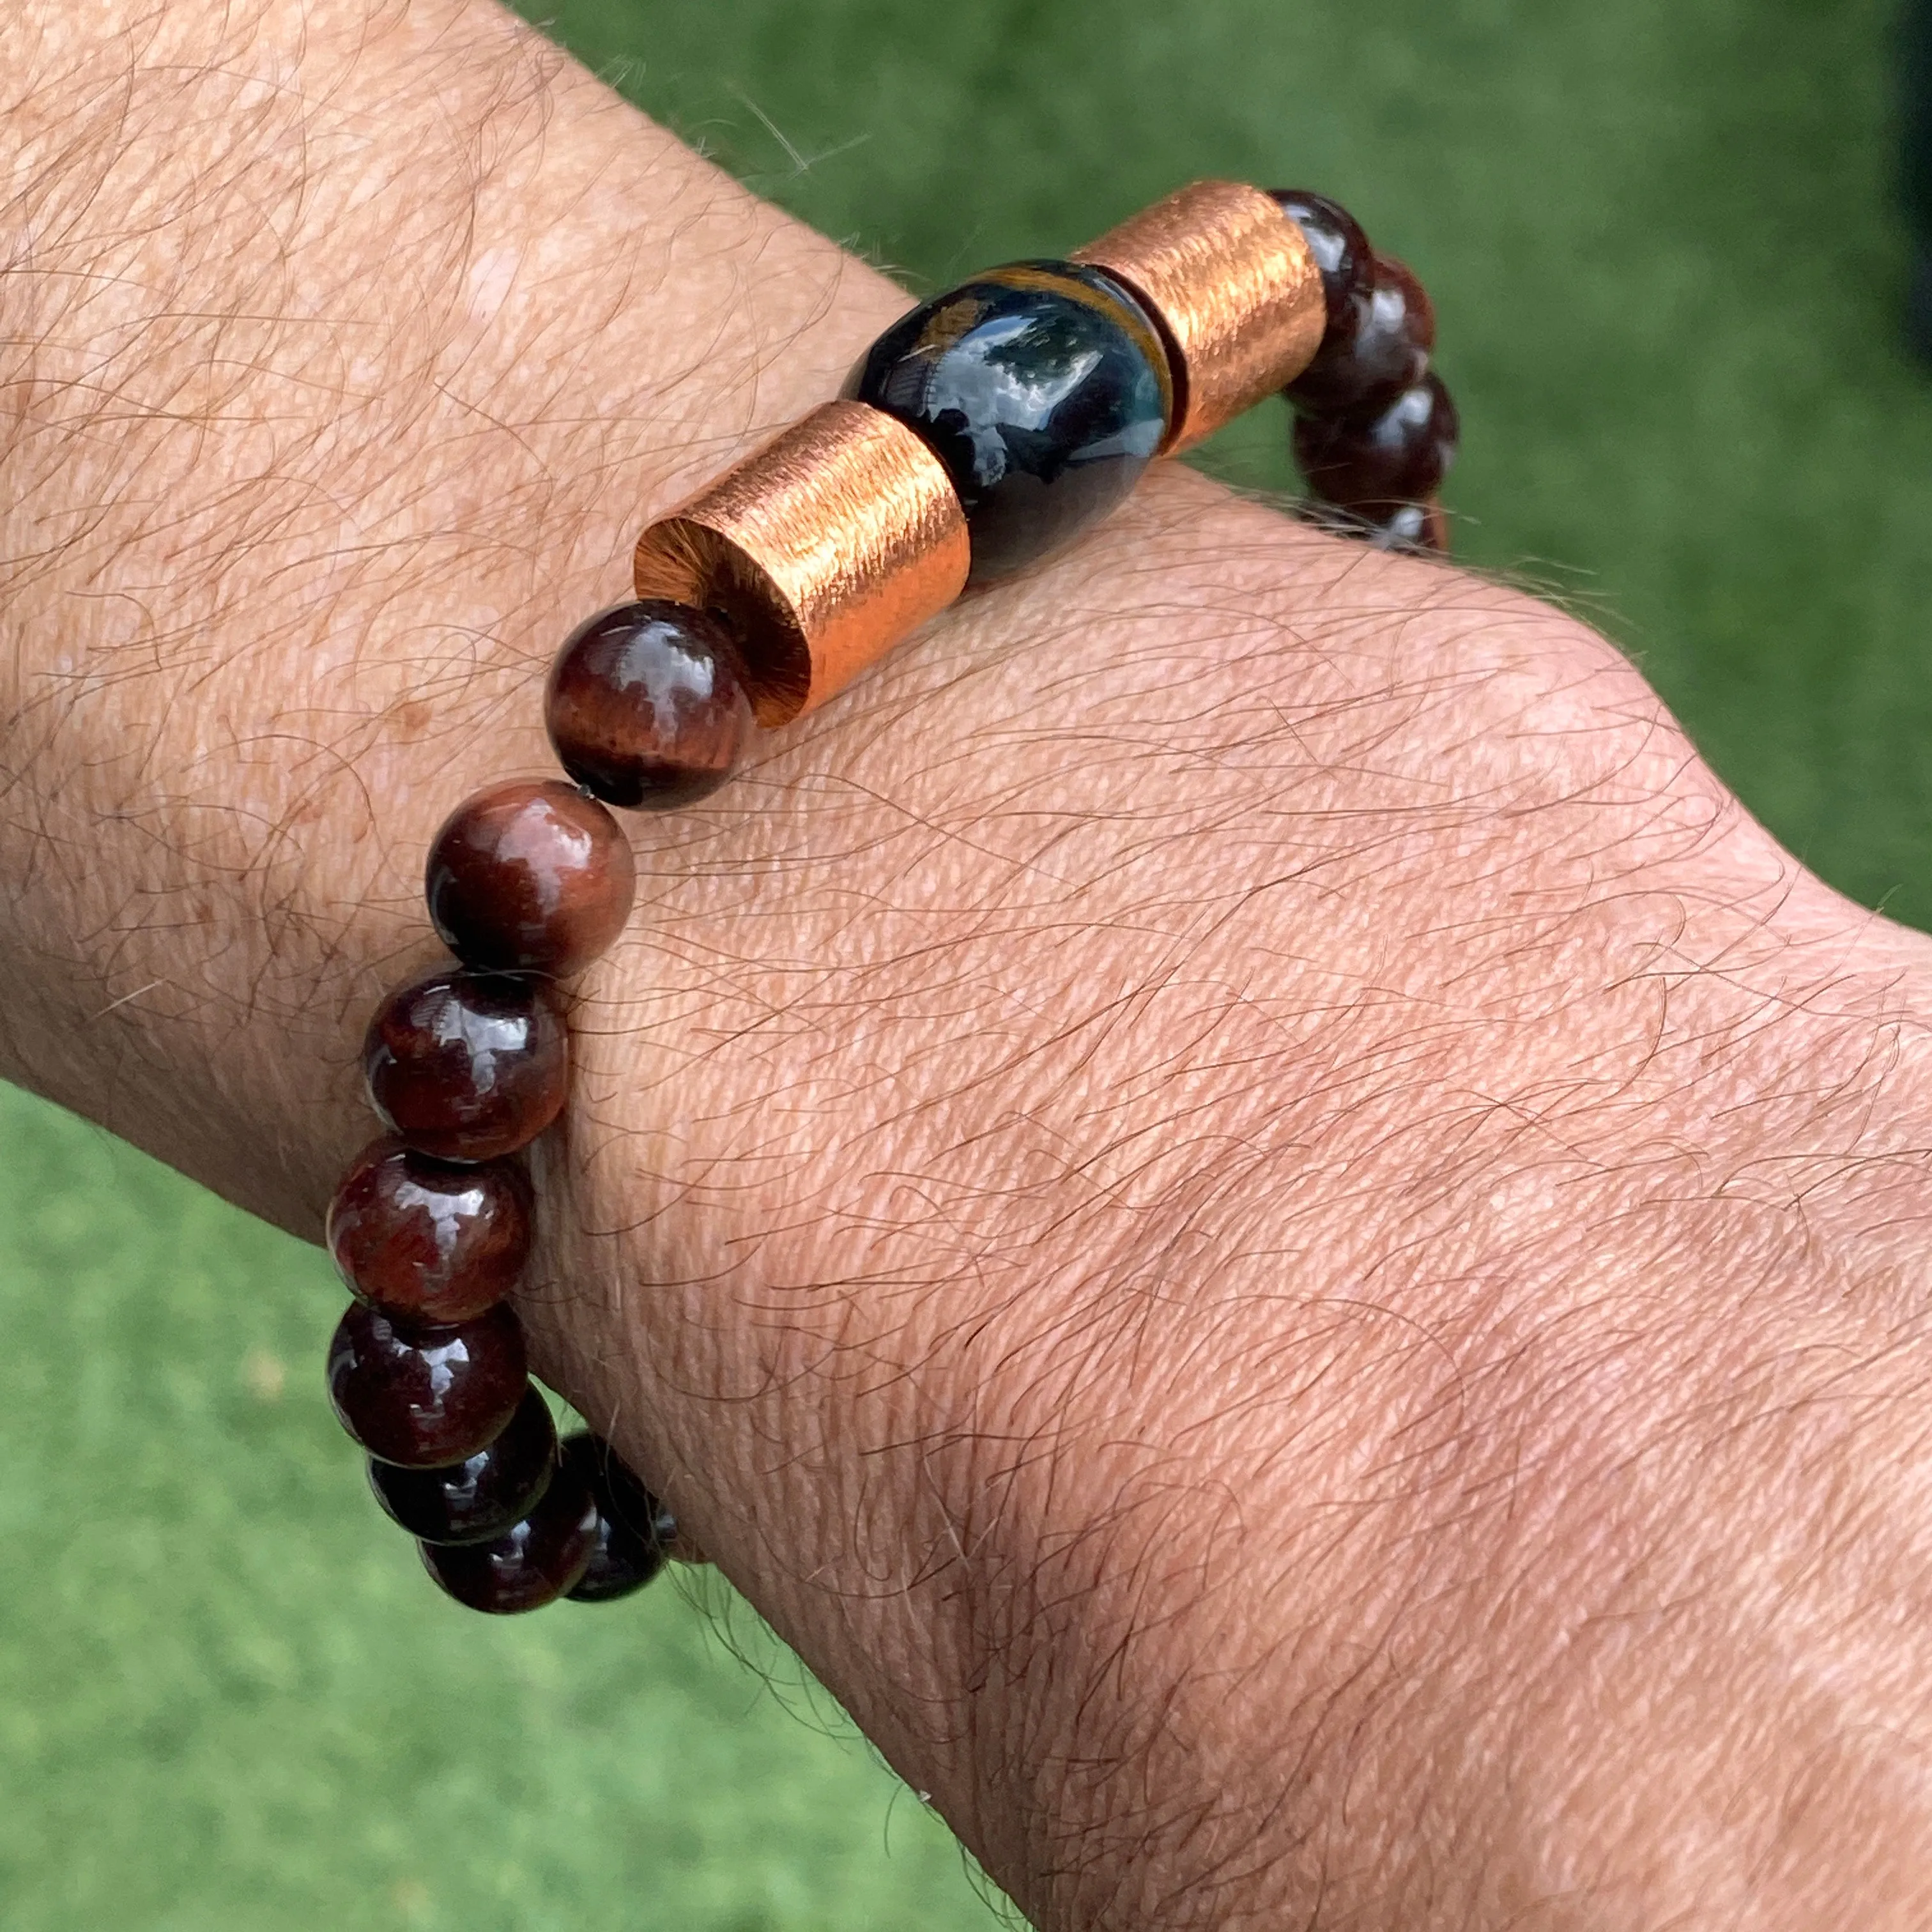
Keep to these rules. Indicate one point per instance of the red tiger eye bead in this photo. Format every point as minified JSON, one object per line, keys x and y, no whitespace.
{"x":1397,"y":454}
{"x":531,"y":1564}
{"x":483,"y":1494}
{"x":424,"y":1397}
{"x":465,"y":1067}
{"x":1419,"y":527}
{"x":428,"y":1242}
{"x":1341,"y":253}
{"x":1378,"y":345}
{"x":529,"y":877}
{"x":647,"y":707}
{"x":634,"y":1530}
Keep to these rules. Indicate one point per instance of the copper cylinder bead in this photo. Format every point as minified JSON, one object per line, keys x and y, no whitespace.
{"x":1230,"y":281}
{"x":822,"y":550}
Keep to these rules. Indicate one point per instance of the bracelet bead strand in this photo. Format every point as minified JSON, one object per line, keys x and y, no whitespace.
{"x":1375,"y":430}
{"x":485,"y":1494}
{"x":982,"y":432}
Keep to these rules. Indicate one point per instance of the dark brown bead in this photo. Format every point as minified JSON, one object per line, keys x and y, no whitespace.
{"x":1377,"y":346}
{"x":529,"y":877}
{"x":1397,"y":455}
{"x":1335,"y":239}
{"x":634,"y":1530}
{"x":647,"y":707}
{"x":426,"y":1397}
{"x":467,"y":1068}
{"x":483,"y":1494}
{"x":530,"y":1564}
{"x":1421,"y":527}
{"x":426,"y":1241}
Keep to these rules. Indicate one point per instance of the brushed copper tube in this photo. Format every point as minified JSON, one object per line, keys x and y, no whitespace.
{"x":1229,"y":278}
{"x":822,"y":550}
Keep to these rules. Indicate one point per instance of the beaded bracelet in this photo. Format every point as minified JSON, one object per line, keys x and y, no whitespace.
{"x":980,"y":432}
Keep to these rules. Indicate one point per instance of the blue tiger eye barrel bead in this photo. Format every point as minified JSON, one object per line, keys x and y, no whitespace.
{"x":1044,"y":391}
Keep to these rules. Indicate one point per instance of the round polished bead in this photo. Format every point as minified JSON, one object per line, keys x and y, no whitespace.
{"x":529,"y":877}
{"x":1398,"y":454}
{"x":647,"y":705}
{"x":1420,"y":527}
{"x":634,"y":1530}
{"x":1042,"y":388}
{"x":426,"y":1241}
{"x":426,"y":1397}
{"x":467,"y":1067}
{"x":1335,"y":239}
{"x":1377,"y":346}
{"x":532,"y":1563}
{"x":483,"y":1494}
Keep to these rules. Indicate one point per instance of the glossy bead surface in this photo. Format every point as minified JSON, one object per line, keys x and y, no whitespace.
{"x":1397,"y":455}
{"x":1421,"y":527}
{"x":1335,"y":239}
{"x":465,"y":1067}
{"x":530,"y":1564}
{"x":529,"y":877}
{"x":426,"y":1241}
{"x":1378,"y":345}
{"x":483,"y":1494}
{"x":1042,"y":388}
{"x":647,"y":705}
{"x":425,"y":1397}
{"x":634,"y":1530}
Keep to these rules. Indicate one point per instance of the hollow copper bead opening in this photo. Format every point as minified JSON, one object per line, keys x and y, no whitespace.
{"x":1377,"y":346}
{"x":424,"y":1397}
{"x":647,"y":705}
{"x":532,"y":1563}
{"x":529,"y":877}
{"x":1233,"y":286}
{"x":1377,"y":462}
{"x":465,"y":1066}
{"x":1335,"y":239}
{"x":635,"y":1530}
{"x":821,"y":551}
{"x":1043,"y":388}
{"x":483,"y":1494}
{"x":426,"y":1241}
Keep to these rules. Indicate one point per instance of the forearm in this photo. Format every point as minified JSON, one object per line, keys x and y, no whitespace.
{"x":1235,"y":1191}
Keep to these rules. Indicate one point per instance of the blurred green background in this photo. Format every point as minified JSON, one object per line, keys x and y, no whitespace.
{"x":1660,"y":241}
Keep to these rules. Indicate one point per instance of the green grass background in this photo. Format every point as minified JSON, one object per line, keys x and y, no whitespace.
{"x":1660,"y":242}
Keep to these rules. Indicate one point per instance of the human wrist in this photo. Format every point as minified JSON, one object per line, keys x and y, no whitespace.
{"x":356,"y":521}
{"x":882,"y":1100}
{"x":1405,"y":1046}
